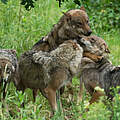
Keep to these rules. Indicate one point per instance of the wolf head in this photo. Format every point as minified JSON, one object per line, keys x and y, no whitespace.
{"x":99,"y":43}
{"x":75,"y":24}
{"x":94,"y":47}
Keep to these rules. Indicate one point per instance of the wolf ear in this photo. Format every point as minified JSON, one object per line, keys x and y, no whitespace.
{"x":13,"y":51}
{"x":82,"y":8}
{"x":68,"y":16}
{"x":107,"y":50}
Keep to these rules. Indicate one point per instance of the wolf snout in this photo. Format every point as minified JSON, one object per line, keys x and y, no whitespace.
{"x":89,"y":33}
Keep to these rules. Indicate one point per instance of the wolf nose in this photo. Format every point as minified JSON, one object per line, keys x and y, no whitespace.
{"x":89,"y":32}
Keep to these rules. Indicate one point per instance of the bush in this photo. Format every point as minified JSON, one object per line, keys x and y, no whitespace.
{"x":104,"y":15}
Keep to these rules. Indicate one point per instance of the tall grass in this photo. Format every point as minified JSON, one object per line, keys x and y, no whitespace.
{"x":20,"y":29}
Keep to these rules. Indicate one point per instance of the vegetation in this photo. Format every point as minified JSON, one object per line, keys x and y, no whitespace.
{"x":20,"y":29}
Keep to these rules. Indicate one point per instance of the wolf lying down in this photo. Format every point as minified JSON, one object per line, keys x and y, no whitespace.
{"x":8,"y":66}
{"x":48,"y":72}
{"x":102,"y":74}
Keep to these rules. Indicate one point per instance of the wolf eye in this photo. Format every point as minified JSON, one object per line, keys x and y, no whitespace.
{"x":87,"y":22}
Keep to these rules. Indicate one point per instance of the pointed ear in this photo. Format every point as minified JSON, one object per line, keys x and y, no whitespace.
{"x":68,"y":16}
{"x":107,"y":50}
{"x":82,"y":8}
{"x":13,"y":51}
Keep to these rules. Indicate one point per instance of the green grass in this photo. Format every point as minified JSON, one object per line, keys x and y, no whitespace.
{"x":20,"y":29}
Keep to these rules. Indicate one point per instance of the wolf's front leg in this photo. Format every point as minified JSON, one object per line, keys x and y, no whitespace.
{"x":51,"y":96}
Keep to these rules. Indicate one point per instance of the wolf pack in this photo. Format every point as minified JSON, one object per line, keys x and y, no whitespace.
{"x":68,"y":50}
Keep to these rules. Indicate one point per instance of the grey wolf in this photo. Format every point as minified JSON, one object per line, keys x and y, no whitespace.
{"x":72,"y":25}
{"x":102,"y":74}
{"x":91,"y":57}
{"x":49,"y":71}
{"x":94,"y":47}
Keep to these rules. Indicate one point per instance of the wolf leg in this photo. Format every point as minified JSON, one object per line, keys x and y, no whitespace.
{"x":51,"y":96}
{"x":80,"y":94}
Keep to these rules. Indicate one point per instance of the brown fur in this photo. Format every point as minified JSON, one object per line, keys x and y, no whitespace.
{"x":72,"y":24}
{"x":102,"y":74}
{"x":94,"y":47}
{"x":49,"y":71}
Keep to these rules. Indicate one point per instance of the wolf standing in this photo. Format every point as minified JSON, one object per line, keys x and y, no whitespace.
{"x":74,"y":24}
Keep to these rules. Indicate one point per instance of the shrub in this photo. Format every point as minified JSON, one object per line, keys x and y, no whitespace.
{"x":104,"y":15}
